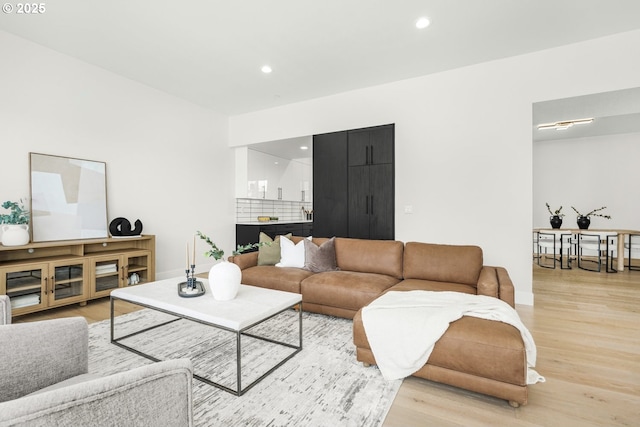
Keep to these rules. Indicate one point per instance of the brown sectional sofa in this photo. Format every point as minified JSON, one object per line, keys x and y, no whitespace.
{"x":475,"y":354}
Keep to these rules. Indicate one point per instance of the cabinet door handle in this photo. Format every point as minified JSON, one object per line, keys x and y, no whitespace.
{"x":366,"y":155}
{"x":371,"y":155}
{"x":53,"y":283}
{"x":46,"y":285}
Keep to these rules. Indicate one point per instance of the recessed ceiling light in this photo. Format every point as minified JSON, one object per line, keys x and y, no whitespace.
{"x":304,"y":147}
{"x":422,"y":23}
{"x":266,"y":69}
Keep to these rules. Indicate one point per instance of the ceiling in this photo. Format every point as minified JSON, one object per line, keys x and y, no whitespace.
{"x":289,"y":148}
{"x":210,"y":51}
{"x":613,"y":112}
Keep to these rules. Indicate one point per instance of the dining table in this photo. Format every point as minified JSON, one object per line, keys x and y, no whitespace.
{"x":619,"y":233}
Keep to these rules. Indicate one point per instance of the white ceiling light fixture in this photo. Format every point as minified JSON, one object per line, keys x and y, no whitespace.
{"x":304,"y":147}
{"x":422,"y":23}
{"x":266,"y":69}
{"x":565,"y":124}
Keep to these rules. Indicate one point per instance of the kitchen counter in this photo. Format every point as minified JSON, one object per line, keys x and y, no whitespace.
{"x":292,"y":221}
{"x":249,"y":232}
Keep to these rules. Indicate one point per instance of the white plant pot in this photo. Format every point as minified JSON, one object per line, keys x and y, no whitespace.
{"x":224,"y":280}
{"x":15,"y":234}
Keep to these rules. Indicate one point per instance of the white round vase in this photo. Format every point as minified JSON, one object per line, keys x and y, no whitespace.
{"x":224,"y":280}
{"x":15,"y":234}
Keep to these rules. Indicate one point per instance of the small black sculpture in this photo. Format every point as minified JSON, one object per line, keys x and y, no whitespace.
{"x":121,"y":227}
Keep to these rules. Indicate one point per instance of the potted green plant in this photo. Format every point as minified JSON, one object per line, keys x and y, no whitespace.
{"x":584,"y":220}
{"x":224,"y":277}
{"x":15,"y":228}
{"x":556,"y":216}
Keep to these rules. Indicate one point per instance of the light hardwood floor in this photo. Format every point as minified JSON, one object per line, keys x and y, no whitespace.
{"x":586,"y":326}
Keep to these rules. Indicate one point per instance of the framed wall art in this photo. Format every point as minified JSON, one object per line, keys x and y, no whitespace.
{"x":68,"y":198}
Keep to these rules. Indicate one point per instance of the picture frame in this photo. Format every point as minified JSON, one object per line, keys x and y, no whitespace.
{"x":68,"y":198}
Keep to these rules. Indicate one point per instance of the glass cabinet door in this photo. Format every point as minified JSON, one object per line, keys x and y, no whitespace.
{"x":106,"y":274}
{"x":67,"y":282}
{"x":26,"y":286}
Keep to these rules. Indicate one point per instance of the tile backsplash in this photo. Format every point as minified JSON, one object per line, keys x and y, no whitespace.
{"x":248,"y":210}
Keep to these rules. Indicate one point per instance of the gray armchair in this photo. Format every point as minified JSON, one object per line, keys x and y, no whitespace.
{"x":44,"y":381}
{"x":5,"y":310}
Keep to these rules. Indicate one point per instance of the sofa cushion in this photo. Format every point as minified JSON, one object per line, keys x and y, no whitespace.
{"x":291,"y":253}
{"x":269,"y":254}
{"x":472,"y":345}
{"x":345,"y":289}
{"x":431,"y":285}
{"x":319,"y":258}
{"x":479,"y":347}
{"x":280,"y":278}
{"x":442,"y":263}
{"x":370,"y":256}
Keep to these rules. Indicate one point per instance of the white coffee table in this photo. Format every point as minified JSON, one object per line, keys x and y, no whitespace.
{"x":252,"y":306}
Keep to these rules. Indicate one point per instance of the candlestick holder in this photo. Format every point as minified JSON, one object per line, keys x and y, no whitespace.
{"x":191,"y":287}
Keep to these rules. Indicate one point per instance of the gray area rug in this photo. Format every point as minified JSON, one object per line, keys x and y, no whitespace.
{"x":323,"y":385}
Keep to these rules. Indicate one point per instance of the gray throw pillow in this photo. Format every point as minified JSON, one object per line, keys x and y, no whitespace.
{"x":320,"y":258}
{"x":269,"y":254}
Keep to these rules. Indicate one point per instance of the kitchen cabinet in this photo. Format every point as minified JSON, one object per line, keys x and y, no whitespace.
{"x":330,"y":192}
{"x":371,"y":202}
{"x":354,"y":183}
{"x":250,"y":233}
{"x":371,"y":146}
{"x":276,"y":178}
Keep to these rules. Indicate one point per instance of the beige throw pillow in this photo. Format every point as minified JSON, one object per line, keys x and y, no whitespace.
{"x":269,"y":254}
{"x":320,"y":258}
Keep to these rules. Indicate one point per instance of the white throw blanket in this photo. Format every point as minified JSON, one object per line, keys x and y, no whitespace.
{"x":403,"y":327}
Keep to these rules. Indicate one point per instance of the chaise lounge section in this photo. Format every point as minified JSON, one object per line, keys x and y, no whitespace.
{"x":475,"y":354}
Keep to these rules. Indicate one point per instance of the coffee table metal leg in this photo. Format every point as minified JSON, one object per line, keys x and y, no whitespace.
{"x":239,"y":362}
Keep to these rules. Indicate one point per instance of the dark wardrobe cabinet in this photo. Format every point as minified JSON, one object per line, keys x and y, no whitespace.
{"x":353,"y":178}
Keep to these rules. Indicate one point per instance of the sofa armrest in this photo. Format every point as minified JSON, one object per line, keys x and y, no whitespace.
{"x":152,"y":395}
{"x":246,"y":260}
{"x":38,"y":354}
{"x":5,"y":310}
{"x":495,"y":282}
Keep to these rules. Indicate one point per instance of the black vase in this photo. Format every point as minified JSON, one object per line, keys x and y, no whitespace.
{"x":583,"y":222}
{"x":556,"y":221}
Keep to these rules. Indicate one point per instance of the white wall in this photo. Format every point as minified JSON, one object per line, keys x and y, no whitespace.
{"x":168,"y":163}
{"x":588,"y":173}
{"x":463,"y":141}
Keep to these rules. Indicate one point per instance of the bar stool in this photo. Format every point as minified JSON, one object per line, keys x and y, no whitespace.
{"x":633,"y":247}
{"x":602,"y":244}
{"x":559,"y":243}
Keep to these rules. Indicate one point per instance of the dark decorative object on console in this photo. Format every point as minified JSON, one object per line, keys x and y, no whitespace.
{"x":121,"y":227}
